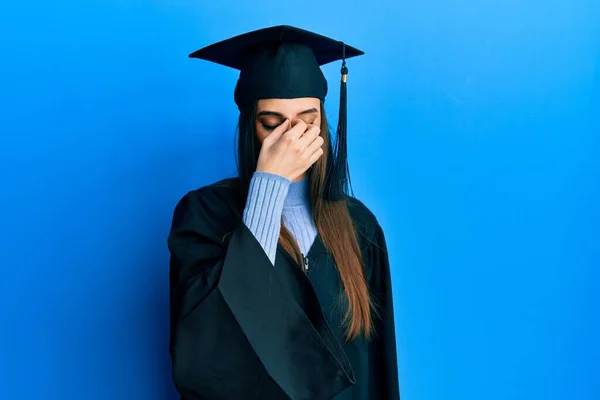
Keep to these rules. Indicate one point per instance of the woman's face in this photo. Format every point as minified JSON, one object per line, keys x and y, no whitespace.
{"x":273,"y":112}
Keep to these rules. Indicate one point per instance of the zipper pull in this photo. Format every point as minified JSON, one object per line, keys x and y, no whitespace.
{"x":305,"y":258}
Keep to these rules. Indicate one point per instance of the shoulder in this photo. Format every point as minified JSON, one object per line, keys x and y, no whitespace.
{"x":218,"y":201}
{"x":223,"y":190}
{"x":364,"y":219}
{"x":226,"y":190}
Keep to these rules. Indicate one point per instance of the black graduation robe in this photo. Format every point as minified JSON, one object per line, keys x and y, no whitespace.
{"x":243,"y":329}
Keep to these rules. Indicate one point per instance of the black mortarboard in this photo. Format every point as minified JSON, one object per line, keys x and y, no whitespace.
{"x":284,"y":62}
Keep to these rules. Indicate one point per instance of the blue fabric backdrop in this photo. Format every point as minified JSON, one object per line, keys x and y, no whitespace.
{"x":474,"y":137}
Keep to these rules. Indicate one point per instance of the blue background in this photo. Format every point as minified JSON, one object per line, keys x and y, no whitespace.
{"x":474,"y":137}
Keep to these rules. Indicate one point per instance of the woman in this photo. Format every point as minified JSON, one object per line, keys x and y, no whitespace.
{"x":280,"y":283}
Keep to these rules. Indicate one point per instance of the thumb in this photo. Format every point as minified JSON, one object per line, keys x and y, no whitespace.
{"x":278,"y":132}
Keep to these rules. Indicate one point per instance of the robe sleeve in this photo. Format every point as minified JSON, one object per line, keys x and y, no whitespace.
{"x":384,"y":345}
{"x":235,"y":332}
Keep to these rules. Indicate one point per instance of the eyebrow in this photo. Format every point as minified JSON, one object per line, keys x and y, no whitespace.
{"x":276,"y":114}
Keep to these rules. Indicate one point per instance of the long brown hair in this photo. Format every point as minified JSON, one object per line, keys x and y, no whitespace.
{"x":332,"y":218}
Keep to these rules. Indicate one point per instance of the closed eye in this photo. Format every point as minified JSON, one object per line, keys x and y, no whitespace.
{"x":269,"y":127}
{"x":270,"y":120}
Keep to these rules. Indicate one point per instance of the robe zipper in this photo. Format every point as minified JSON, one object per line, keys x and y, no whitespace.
{"x":305,"y":259}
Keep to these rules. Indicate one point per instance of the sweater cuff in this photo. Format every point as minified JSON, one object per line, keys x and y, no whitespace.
{"x":264,"y":206}
{"x":262,"y":175}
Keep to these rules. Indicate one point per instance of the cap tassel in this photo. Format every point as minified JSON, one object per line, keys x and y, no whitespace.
{"x":339,"y":178}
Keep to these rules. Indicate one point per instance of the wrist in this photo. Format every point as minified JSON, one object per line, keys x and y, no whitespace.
{"x":268,"y":175}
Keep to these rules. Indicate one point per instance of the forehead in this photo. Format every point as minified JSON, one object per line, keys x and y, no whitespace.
{"x":288,"y":107}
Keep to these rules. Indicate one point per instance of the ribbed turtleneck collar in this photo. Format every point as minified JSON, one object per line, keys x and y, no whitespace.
{"x":298,"y":193}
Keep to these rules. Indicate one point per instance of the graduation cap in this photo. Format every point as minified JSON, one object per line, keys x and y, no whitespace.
{"x":284,"y":62}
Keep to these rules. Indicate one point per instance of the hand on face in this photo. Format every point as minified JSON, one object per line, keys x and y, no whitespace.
{"x":291,"y":149}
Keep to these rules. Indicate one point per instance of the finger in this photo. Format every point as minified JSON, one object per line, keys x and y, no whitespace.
{"x":315,"y":156}
{"x":309,"y":136}
{"x":277,"y":132}
{"x":297,"y":130}
{"x":296,"y":120}
{"x":314,"y":146}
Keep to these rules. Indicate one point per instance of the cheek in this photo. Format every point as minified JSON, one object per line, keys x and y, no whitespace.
{"x":261,"y":134}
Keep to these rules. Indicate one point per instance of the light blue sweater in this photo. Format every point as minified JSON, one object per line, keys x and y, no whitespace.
{"x":272,"y":197}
